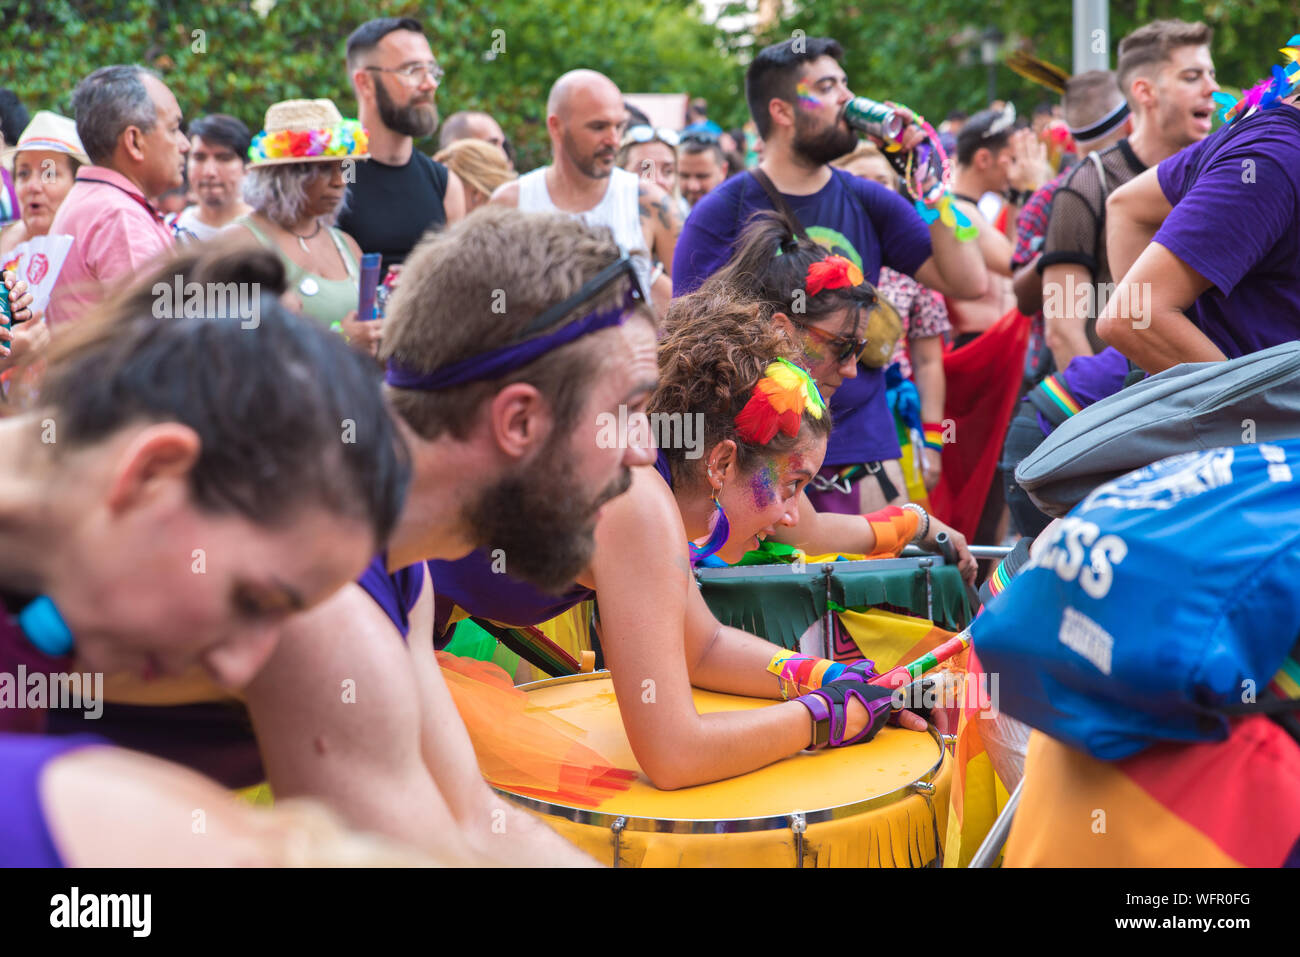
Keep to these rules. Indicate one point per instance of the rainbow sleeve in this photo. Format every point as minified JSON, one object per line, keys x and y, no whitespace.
{"x":894,"y":528}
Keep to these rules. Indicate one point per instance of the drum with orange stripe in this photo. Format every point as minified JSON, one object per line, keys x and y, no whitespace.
{"x":880,"y":804}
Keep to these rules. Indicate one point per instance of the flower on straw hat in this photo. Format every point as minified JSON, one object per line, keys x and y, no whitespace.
{"x":307,"y":131}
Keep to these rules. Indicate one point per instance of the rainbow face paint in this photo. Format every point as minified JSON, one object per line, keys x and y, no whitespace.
{"x":807,"y":99}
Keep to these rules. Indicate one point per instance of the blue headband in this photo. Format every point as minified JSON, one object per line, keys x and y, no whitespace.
{"x":505,"y":359}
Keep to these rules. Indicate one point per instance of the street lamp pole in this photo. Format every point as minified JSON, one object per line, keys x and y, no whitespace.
{"x":1091,"y":35}
{"x":989,"y":41}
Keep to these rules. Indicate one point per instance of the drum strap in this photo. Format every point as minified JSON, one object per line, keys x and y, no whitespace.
{"x":843,"y":479}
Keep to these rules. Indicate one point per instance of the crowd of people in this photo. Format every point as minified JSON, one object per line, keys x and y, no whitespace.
{"x":232,"y":510}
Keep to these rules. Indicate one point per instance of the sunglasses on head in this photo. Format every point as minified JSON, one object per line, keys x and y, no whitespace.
{"x":623,"y":266}
{"x":641,"y":133}
{"x":700,"y":136}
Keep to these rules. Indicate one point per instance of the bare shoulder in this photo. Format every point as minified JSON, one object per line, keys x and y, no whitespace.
{"x":641,"y":525}
{"x":340,"y":676}
{"x":162,"y":814}
{"x":353,"y":245}
{"x":507,"y":194}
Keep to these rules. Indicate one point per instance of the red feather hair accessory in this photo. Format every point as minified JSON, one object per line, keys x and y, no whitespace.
{"x":833,"y":272}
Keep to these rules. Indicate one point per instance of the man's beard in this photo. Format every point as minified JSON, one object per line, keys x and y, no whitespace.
{"x":824,"y":145}
{"x":542,"y":520}
{"x":415,"y":119}
{"x":588,"y":165}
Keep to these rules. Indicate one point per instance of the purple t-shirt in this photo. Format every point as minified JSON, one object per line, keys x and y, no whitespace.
{"x":25,"y":839}
{"x":1236,"y":221}
{"x":1091,"y":379}
{"x":860,"y":220}
{"x":395,"y":592}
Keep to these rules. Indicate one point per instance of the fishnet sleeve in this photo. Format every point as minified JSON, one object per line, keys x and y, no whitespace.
{"x":1075,"y":223}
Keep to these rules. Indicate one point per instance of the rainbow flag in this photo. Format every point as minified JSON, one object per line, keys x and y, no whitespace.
{"x":551,"y":649}
{"x":887,"y":638}
{"x":983,"y":379}
{"x":1235,"y":803}
{"x":978,"y":794}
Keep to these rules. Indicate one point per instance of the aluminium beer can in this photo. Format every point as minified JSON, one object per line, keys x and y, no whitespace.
{"x":873,"y":118}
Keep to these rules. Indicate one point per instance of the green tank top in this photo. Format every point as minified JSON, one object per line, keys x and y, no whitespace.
{"x":325,"y":300}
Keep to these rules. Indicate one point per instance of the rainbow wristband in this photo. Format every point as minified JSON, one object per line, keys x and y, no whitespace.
{"x":799,"y":674}
{"x":933,"y":435}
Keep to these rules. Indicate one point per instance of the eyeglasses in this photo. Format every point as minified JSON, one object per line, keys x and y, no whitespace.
{"x":641,"y":133}
{"x":414,"y":71}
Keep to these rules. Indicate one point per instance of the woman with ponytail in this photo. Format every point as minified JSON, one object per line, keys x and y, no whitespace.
{"x":835,"y":319}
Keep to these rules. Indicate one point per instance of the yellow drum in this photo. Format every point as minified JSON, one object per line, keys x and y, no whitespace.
{"x":880,"y":804}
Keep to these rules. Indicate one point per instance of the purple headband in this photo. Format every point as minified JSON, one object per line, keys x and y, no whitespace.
{"x":505,"y":359}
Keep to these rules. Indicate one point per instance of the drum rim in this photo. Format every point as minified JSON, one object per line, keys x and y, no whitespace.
{"x":734,"y":825}
{"x":815,"y":570}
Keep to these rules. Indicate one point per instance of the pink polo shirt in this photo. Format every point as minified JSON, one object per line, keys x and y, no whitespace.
{"x":116,"y":234}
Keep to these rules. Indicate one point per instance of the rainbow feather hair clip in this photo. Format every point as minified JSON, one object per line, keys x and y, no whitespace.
{"x":778,"y":404}
{"x":1267,"y":93}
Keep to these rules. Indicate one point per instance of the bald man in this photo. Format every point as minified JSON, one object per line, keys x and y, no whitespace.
{"x":585,"y":117}
{"x":473,"y":125}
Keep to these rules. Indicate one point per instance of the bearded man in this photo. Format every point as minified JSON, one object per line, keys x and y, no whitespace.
{"x":796,"y":93}
{"x":401,"y":193}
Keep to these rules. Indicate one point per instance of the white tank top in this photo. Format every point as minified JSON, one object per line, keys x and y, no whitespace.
{"x":618,"y":209}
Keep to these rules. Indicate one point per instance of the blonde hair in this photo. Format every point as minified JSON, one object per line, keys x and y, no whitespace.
{"x":479,"y":164}
{"x":866,"y":151}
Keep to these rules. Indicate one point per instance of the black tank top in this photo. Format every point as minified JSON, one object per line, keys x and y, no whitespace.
{"x":390,"y":208}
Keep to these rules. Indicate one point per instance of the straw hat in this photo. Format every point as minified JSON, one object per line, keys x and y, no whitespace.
{"x":307,"y":131}
{"x":48,"y":131}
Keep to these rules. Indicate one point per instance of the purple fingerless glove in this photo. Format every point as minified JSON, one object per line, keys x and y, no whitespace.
{"x":828,"y":706}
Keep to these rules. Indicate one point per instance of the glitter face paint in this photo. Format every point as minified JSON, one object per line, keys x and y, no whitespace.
{"x":806,"y":98}
{"x":763,"y":485}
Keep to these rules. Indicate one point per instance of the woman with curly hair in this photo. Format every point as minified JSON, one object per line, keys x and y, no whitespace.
{"x":748,"y":429}
{"x":297,"y":185}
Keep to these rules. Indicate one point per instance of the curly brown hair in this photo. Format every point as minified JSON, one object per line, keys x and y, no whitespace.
{"x":716,"y":347}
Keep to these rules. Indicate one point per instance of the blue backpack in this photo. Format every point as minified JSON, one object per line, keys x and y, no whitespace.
{"x":1165,"y":601}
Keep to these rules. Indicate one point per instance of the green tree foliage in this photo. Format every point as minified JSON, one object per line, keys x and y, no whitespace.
{"x":251,"y":53}
{"x":222,"y":56}
{"x":927,"y":55}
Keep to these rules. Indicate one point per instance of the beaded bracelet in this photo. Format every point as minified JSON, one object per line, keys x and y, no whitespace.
{"x":923,"y":521}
